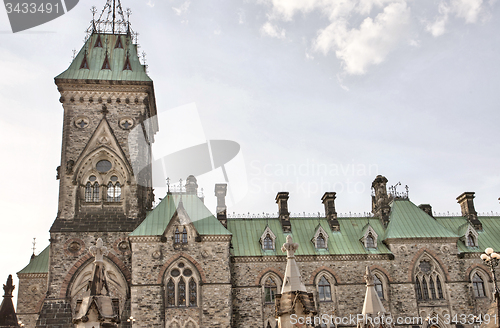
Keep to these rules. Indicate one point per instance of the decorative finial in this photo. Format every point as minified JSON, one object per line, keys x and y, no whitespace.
{"x":289,"y":247}
{"x":99,"y":250}
{"x":180,"y":184}
{"x":168,"y":184}
{"x":74,"y":54}
{"x":9,"y":287}
{"x":369,"y":278}
{"x":34,"y":247}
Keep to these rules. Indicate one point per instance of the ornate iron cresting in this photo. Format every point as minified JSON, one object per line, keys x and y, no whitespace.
{"x":111,"y":20}
{"x":491,"y":259}
{"x":395,"y":194}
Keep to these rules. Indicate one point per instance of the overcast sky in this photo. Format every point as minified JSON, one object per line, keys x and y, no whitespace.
{"x":321,"y":95}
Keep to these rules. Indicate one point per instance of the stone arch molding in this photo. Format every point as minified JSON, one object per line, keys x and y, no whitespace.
{"x":435,"y":269}
{"x":86,"y":167}
{"x":117,"y":283}
{"x":102,"y":145}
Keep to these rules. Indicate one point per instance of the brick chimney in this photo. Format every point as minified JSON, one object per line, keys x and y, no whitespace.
{"x":380,"y":199}
{"x":220,"y":193}
{"x":328,"y":200}
{"x":284,"y":215}
{"x":426,"y":208}
{"x":191,"y":185}
{"x":466,"y":201}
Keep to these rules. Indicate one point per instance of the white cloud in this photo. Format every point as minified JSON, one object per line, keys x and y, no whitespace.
{"x":369,"y":44}
{"x":241,"y":16}
{"x":182,"y":9}
{"x":469,"y":10}
{"x":151,"y":4}
{"x":383,"y":25}
{"x":273,"y":31}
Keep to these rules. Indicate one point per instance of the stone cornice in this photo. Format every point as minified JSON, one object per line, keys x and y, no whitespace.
{"x":312,"y":258}
{"x":99,"y":84}
{"x":421,"y":240}
{"x":31,"y":275}
{"x":144,"y":239}
{"x":216,"y":237}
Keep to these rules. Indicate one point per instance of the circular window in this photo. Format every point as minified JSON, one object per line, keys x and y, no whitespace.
{"x":181,"y":265}
{"x":114,"y":178}
{"x":175,"y":273}
{"x":187,"y":273}
{"x":103,"y":166}
{"x":92,"y":178}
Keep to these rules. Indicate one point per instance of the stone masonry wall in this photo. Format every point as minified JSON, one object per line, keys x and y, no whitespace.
{"x":32,"y":289}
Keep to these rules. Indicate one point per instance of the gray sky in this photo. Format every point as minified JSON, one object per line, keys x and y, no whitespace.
{"x":322,"y":95}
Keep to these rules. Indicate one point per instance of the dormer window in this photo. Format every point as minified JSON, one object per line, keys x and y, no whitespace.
{"x":320,"y":238}
{"x":369,"y":239}
{"x":180,"y":238}
{"x":267,"y":240}
{"x":268,"y":243}
{"x":470,"y":237}
{"x":370,"y":242}
{"x":320,"y":242}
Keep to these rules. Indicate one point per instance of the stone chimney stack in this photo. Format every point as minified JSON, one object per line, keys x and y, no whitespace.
{"x":191,"y":185}
{"x":220,"y":193}
{"x":284,"y":215}
{"x":466,"y":201}
{"x":426,"y":208}
{"x":328,"y":200}
{"x":380,"y":199}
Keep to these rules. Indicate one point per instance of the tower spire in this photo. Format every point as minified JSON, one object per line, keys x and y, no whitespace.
{"x":111,"y":20}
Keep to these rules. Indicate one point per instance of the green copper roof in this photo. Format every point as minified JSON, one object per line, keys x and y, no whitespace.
{"x":488,"y":237}
{"x":409,"y":221}
{"x":157,"y":220}
{"x":117,"y":57}
{"x":247,"y":233}
{"x":39,"y":264}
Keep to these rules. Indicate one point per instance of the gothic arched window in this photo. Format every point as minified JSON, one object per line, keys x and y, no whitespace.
{"x":184,"y":236}
{"x":428,"y":281}
{"x":92,"y":190}
{"x":114,"y":191}
{"x":471,"y":242}
{"x":182,"y":286}
{"x":379,"y":288}
{"x":478,"y":286}
{"x":170,"y":293}
{"x":177,"y":236}
{"x":268,"y":243}
{"x":181,"y":293}
{"x":324,"y":290}
{"x":418,"y":289}
{"x":432,"y":288}
{"x":270,"y":290}
{"x":320,"y":242}
{"x":192,"y":293}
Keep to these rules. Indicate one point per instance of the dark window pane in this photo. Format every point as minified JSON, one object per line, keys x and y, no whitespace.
{"x":320,"y":242}
{"x":192,"y":293}
{"x":418,"y":289}
{"x":439,"y":289}
{"x":379,"y":288}
{"x":425,"y":291}
{"x":88,"y":192}
{"x":432,"y":288}
{"x":268,"y":243}
{"x":187,"y":273}
{"x":95,"y":194}
{"x":184,"y":236}
{"x":103,"y":166}
{"x":370,"y":242}
{"x":324,"y":290}
{"x":175,"y":273}
{"x":478,"y":286}
{"x":270,"y":290}
{"x":177,"y":236}
{"x":170,"y":293}
{"x":182,"y":293}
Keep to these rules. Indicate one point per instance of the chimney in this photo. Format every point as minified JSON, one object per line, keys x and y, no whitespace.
{"x":466,"y":201}
{"x":220,"y":193}
{"x":426,"y":208}
{"x":328,"y":200}
{"x":191,"y":185}
{"x":380,"y":199}
{"x":284,"y":215}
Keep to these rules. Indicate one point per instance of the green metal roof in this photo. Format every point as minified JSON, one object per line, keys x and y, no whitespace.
{"x":488,"y":237}
{"x":116,"y":56}
{"x":38,"y":264}
{"x":409,"y":221}
{"x":247,"y":233}
{"x":203,"y":220}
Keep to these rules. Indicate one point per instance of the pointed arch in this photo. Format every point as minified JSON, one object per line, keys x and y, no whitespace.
{"x":324,"y":283}
{"x":429,"y":275}
{"x":105,"y":64}
{"x":320,"y":239}
{"x":443,"y":268}
{"x":190,"y":323}
{"x":173,"y":324}
{"x":175,"y":259}
{"x":267,"y":239}
{"x":85,"y":64}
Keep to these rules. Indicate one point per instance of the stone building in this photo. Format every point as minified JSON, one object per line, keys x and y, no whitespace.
{"x":177,"y":265}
